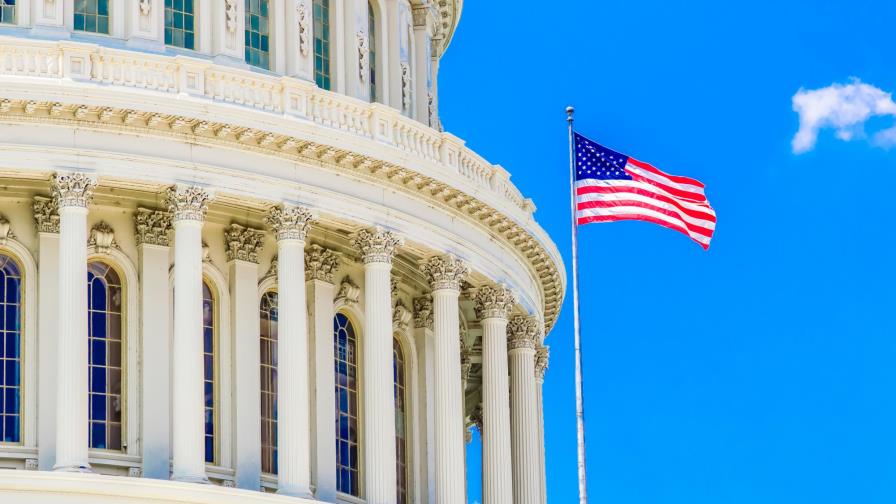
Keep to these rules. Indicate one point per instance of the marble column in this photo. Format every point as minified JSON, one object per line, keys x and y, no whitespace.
{"x":72,"y":192}
{"x":290,"y":224}
{"x":320,"y":267}
{"x":423,"y":324}
{"x":188,"y":206}
{"x":243,"y":245}
{"x":377,"y":247}
{"x":152,"y":229}
{"x":445,"y":274}
{"x":541,"y":365}
{"x":46,"y":219}
{"x":523,"y":338}
{"x":493,"y":305}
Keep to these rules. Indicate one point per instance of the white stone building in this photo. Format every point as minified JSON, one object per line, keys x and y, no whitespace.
{"x":173,"y":174}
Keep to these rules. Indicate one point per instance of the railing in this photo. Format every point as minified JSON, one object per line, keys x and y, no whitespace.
{"x":275,"y":94}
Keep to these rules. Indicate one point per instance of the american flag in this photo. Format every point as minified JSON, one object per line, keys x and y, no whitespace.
{"x":611,"y":187}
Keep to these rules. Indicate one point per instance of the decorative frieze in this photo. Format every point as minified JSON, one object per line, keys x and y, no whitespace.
{"x":152,"y":227}
{"x":401,"y":316}
{"x":102,"y":236}
{"x":522,"y":332}
{"x":363,"y":55}
{"x":302,"y":20}
{"x":46,"y":215}
{"x":542,"y":354}
{"x":423,"y":312}
{"x":376,"y":245}
{"x":73,"y":189}
{"x":188,"y":203}
{"x":445,"y":272}
{"x":242,"y":243}
{"x":320,"y":263}
{"x":349,"y":292}
{"x":289,"y":222}
{"x":494,"y":301}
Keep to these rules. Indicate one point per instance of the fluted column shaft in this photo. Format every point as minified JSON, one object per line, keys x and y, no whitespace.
{"x":72,"y":193}
{"x":293,"y":405}
{"x":541,"y":364}
{"x":445,"y":274}
{"x":523,"y":411}
{"x":188,"y":407}
{"x":377,"y":248}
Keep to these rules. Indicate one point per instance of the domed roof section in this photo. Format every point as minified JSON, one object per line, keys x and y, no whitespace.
{"x":449,"y":14}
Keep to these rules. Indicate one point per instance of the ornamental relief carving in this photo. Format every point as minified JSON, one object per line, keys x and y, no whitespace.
{"x":542,"y":354}
{"x":349,"y":292}
{"x":363,"y":57}
{"x":102,"y":236}
{"x":230,"y":15}
{"x":494,"y":302}
{"x":188,"y":203}
{"x":73,"y":189}
{"x":320,"y":263}
{"x":522,"y":332}
{"x":302,"y":19}
{"x":445,"y":272}
{"x":401,"y":316}
{"x":376,"y":245}
{"x":405,"y":86}
{"x":46,"y":215}
{"x":5,"y":230}
{"x":423,"y":312}
{"x":289,"y":222}
{"x":152,"y":227}
{"x":242,"y":243}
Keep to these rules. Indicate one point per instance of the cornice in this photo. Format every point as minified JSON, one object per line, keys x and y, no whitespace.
{"x":544,"y":262}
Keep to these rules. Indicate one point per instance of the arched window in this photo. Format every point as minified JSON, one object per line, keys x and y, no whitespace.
{"x":179,"y":23}
{"x":347,"y":463}
{"x":321,"y":16}
{"x":8,"y":11}
{"x":371,"y":31}
{"x":105,"y":299}
{"x":209,"y":347}
{"x":401,"y":420}
{"x":268,"y":333}
{"x":92,"y":16}
{"x":11,"y":350}
{"x":258,"y":34}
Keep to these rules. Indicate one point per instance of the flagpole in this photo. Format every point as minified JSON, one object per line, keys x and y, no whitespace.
{"x":580,"y":397}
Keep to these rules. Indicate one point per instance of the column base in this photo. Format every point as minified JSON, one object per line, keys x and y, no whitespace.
{"x":198,"y":479}
{"x":84,"y":469}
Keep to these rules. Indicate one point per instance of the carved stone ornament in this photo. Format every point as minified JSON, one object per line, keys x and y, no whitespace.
{"x":5,"y":231}
{"x":320,"y":263}
{"x":73,"y":189}
{"x":401,"y":316}
{"x":405,"y":86}
{"x":152,"y":227}
{"x":419,"y":15}
{"x":348,"y":291}
{"x":522,"y":333}
{"x":31,"y":464}
{"x":230,"y":15}
{"x":394,"y":287}
{"x":188,"y":203}
{"x":289,"y":222}
{"x":542,"y":354}
{"x":46,"y":215}
{"x":102,"y":236}
{"x":302,"y":17}
{"x":445,"y":272}
{"x":206,"y":252}
{"x":135,"y":472}
{"x":376,"y":245}
{"x":494,"y":302}
{"x":242,"y":243}
{"x":272,"y":270}
{"x":431,"y":107}
{"x":145,"y":7}
{"x":423,"y":312}
{"x":363,"y":56}
{"x":466,"y":364}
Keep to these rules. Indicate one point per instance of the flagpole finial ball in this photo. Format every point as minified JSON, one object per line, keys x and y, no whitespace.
{"x":569,"y":112}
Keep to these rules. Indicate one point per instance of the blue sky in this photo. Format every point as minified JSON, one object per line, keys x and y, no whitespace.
{"x":764,"y":370}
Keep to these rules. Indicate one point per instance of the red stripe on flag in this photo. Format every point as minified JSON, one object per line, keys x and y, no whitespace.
{"x":674,"y":178}
{"x":674,"y":191}
{"x":694,"y":228}
{"x":697,"y":214}
{"x":613,"y":218}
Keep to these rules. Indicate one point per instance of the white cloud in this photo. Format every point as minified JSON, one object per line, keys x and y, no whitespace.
{"x":844,"y":107}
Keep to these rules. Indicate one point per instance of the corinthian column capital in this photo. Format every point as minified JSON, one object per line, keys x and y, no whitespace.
{"x":243,"y":244}
{"x":289,"y":222}
{"x":320,"y":263}
{"x":494,"y":301}
{"x":445,"y":272}
{"x":522,"y":332}
{"x":73,"y":189}
{"x":188,"y":203}
{"x":152,"y":227}
{"x":46,"y":215}
{"x":376,"y":245}
{"x":542,"y":354}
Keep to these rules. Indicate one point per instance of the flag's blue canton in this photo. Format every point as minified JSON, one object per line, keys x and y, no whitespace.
{"x":594,"y":161}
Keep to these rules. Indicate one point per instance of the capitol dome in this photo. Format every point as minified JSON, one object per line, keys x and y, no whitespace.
{"x":176,"y":172}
